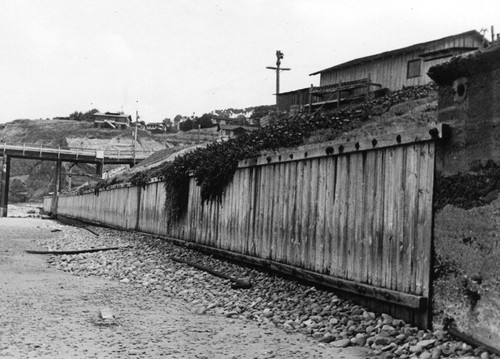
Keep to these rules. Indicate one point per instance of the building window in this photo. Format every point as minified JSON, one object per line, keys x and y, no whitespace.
{"x":413,"y":68}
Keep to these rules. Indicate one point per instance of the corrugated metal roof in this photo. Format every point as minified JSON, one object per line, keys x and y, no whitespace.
{"x":403,"y":50}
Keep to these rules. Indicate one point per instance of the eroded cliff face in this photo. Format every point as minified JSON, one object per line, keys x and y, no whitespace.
{"x":467,"y":202}
{"x":467,"y":247}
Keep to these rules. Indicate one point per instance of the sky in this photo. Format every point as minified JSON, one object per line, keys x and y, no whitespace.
{"x":167,"y":57}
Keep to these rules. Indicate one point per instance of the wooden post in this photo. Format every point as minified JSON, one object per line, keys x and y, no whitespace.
{"x":70,"y":178}
{"x":57,"y":187}
{"x":4,"y":185}
{"x":98,"y":169}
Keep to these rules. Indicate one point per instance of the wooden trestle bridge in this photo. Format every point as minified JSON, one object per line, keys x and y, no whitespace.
{"x":75,"y":155}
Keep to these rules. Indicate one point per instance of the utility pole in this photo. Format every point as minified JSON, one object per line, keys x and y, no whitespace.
{"x":279,"y":56}
{"x":135,"y":132}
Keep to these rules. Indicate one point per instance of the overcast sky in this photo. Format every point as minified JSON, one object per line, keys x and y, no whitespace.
{"x":171,"y":57}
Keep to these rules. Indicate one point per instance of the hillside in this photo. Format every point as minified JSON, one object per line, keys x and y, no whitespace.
{"x":31,"y":179}
{"x":214,"y":165}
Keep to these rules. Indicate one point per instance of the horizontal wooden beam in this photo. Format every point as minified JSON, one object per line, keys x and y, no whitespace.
{"x":412,"y":301}
{"x":337,"y":148}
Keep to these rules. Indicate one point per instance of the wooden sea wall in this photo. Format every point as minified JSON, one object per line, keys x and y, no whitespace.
{"x":353,"y":216}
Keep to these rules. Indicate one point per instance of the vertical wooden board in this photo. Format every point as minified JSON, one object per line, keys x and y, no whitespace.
{"x":399,"y":205}
{"x":213,"y":223}
{"x":378,"y":220}
{"x":197,"y":211}
{"x":280,"y":214}
{"x":319,"y":237}
{"x":369,"y":180}
{"x":161,"y":209}
{"x":257,"y":224}
{"x":243,"y":210}
{"x":223,"y":233}
{"x":361,"y":218}
{"x":191,"y":213}
{"x":289,"y":234}
{"x":210,"y":224}
{"x":411,"y":218}
{"x":389,"y":227}
{"x":237,"y":213}
{"x":277,"y":209}
{"x":339,"y":216}
{"x":233,"y":197}
{"x":313,"y":215}
{"x":251,"y":209}
{"x":346,"y":178}
{"x":306,"y":199}
{"x":297,"y":232}
{"x":424,"y":229}
{"x":351,"y":203}
{"x":264,"y":243}
{"x":269,"y":212}
{"x":329,"y":215}
{"x":255,"y":173}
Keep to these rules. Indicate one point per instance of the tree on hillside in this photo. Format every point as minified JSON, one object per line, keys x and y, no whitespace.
{"x":186,"y":125}
{"x":87,"y":116}
{"x":177,"y":118}
{"x":167,"y":122}
{"x":205,"y":121}
{"x":261,"y":111}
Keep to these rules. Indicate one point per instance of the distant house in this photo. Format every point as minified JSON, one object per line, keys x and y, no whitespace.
{"x":231,"y":131}
{"x":155,"y":127}
{"x":139,"y":125}
{"x":359,"y":78}
{"x":115,"y":120}
{"x":221,"y":120}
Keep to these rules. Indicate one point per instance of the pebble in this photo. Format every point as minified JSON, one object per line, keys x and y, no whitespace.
{"x":272,"y":300}
{"x":342,"y":343}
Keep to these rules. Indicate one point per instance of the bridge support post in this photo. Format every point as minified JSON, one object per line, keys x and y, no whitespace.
{"x":98,"y":169}
{"x":4,"y":185}
{"x":57,"y":188}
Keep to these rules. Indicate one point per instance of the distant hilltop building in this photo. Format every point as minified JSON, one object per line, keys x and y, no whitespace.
{"x":156,"y":127}
{"x":114,"y":120}
{"x":391,"y":70}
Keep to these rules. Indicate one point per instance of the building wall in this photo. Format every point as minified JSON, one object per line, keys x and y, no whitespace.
{"x":391,"y":72}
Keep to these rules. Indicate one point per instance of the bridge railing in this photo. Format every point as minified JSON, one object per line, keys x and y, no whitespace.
{"x":107,"y":153}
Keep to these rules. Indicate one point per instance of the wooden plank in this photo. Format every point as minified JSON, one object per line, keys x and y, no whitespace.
{"x":336,"y":148}
{"x":351,"y":203}
{"x":378,"y":219}
{"x":343,"y":191}
{"x":411,"y":216}
{"x":403,"y":299}
{"x":271,"y":201}
{"x":369,"y":214}
{"x":292,"y":214}
{"x":320,"y":238}
{"x":276,"y":248}
{"x":297,"y":234}
{"x":260,"y":220}
{"x":399,"y":205}
{"x":424,"y":227}
{"x":304,"y":233}
{"x":284,"y":235}
{"x":252,"y":210}
{"x":388,"y":219}
{"x":360,"y":217}
{"x":312,"y":215}
{"x":330,"y":181}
